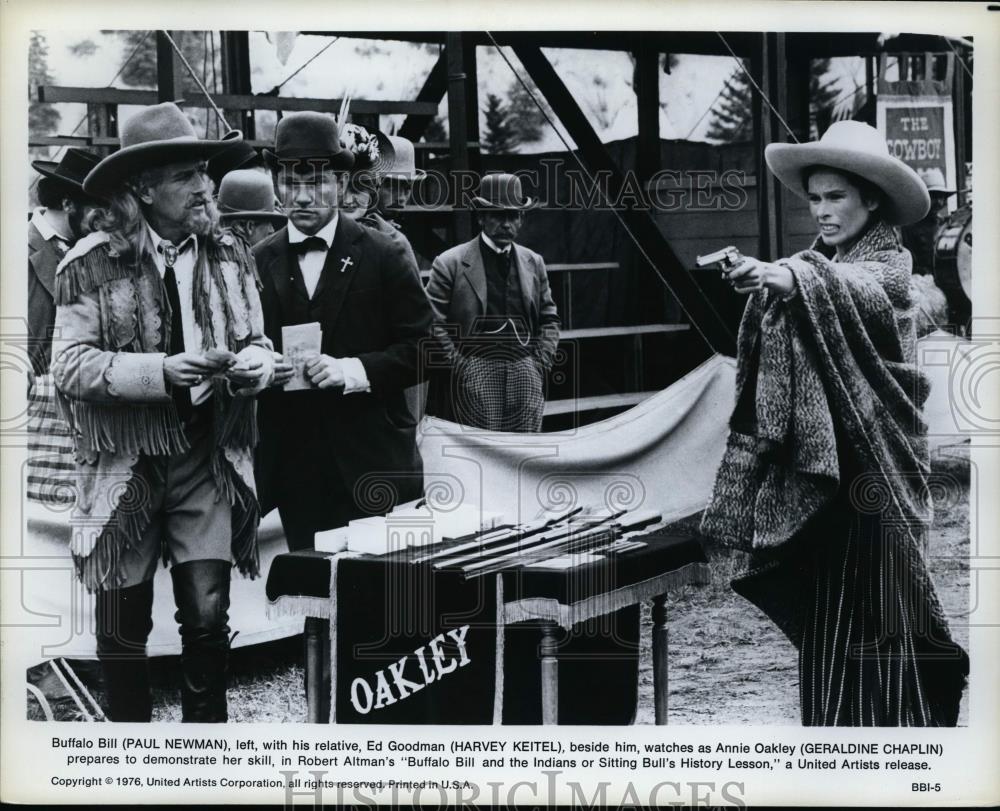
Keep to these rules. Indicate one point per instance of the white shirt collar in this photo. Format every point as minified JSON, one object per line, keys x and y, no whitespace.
{"x":493,"y":246}
{"x":44,"y":227}
{"x":326,"y":233}
{"x":157,"y":239}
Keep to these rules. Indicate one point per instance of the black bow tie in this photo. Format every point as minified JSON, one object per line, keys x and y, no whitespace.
{"x":310,"y":244}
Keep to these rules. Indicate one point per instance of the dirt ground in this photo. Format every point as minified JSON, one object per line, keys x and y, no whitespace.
{"x":728,"y":663}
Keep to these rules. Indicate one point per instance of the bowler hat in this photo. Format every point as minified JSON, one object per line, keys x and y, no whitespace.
{"x":856,"y":147}
{"x":404,"y":165}
{"x":154,"y":136}
{"x":247,"y":194}
{"x":238,"y":155}
{"x":502,"y":192}
{"x":309,"y":136}
{"x":70,"y":170}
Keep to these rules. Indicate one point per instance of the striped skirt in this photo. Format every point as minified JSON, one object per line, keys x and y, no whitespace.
{"x":875,"y":648}
{"x":51,"y":469}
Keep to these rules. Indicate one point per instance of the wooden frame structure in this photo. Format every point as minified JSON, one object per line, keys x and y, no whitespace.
{"x":778,"y":63}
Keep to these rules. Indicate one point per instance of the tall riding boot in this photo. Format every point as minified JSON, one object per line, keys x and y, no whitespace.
{"x":201,"y":592}
{"x":124,"y":618}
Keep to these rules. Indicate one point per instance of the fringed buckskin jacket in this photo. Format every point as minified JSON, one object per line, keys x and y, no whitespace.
{"x":112,"y":336}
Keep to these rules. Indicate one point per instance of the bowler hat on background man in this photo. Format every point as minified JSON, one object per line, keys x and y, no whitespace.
{"x":311,"y":137}
{"x":238,"y":155}
{"x":404,"y":165}
{"x":502,"y":192}
{"x":154,"y":136}
{"x":70,"y":170}
{"x":246,"y":194}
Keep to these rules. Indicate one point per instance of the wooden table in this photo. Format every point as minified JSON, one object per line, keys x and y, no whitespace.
{"x":553,"y":598}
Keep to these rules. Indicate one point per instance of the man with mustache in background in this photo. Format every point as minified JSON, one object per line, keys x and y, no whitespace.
{"x":158,"y":354}
{"x":494,"y":318}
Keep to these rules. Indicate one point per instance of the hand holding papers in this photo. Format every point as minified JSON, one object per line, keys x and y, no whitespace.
{"x":300,"y":342}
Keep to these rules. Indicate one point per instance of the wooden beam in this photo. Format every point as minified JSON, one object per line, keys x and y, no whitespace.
{"x":169,"y":70}
{"x":435,"y":86}
{"x":647,"y":92}
{"x":458,"y":140}
{"x":141,"y":98}
{"x":471,"y":101}
{"x":777,"y":73}
{"x":236,"y":77}
{"x":637,"y":220}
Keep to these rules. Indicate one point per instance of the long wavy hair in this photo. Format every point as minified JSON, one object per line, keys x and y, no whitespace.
{"x":123,"y":218}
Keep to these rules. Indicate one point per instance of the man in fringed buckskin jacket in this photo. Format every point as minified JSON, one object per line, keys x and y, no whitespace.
{"x":161,"y":353}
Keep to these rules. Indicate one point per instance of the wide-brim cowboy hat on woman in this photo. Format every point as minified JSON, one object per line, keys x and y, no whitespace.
{"x":154,"y":136}
{"x":855,"y":147}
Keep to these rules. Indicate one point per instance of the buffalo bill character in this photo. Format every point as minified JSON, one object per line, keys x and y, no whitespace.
{"x":161,"y":351}
{"x":328,"y":451}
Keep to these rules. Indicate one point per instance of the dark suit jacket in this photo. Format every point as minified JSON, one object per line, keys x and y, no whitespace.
{"x":42,"y":263}
{"x":376,"y":311}
{"x":457,"y":292}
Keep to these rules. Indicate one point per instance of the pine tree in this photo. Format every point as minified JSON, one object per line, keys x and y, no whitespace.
{"x":523,"y":115}
{"x":732,"y":115}
{"x":499,"y":136}
{"x":43,"y":119}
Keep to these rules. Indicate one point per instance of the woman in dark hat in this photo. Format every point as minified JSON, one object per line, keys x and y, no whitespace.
{"x":824,"y":479}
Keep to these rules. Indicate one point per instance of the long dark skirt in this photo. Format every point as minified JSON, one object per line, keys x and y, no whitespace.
{"x":855,"y":596}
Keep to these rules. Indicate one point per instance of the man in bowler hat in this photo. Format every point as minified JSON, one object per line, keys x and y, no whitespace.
{"x":329,"y":453}
{"x":494,"y":318}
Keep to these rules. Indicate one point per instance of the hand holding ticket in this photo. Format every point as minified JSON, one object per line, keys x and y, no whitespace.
{"x":300,"y":343}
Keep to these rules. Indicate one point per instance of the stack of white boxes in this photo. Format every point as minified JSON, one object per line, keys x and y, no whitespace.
{"x":412,"y":524}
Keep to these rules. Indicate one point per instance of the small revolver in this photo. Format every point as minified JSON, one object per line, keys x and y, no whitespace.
{"x":726,"y":259}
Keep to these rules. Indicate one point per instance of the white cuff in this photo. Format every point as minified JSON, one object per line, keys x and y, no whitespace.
{"x":355,"y":376}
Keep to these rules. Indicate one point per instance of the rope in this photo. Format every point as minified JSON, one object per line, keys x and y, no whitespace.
{"x":197,"y":81}
{"x":302,"y":67}
{"x":618,"y":216}
{"x":757,"y":87}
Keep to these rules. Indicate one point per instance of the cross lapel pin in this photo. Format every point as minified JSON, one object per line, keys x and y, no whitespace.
{"x":345,"y":263}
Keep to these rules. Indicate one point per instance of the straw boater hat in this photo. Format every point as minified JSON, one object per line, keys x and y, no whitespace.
{"x":154,"y":136}
{"x":502,"y":192}
{"x":312,"y":137}
{"x":404,"y":167}
{"x":246,"y":194}
{"x":855,"y":147}
{"x":70,"y":171}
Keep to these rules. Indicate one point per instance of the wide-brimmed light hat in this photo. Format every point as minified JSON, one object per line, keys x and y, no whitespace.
{"x":247,"y":194}
{"x":856,"y":147}
{"x":404,"y":166}
{"x":154,"y":136}
{"x":502,"y":192}
{"x":935,"y":182}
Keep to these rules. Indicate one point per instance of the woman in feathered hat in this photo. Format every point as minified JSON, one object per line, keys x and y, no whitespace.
{"x":824,"y":479}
